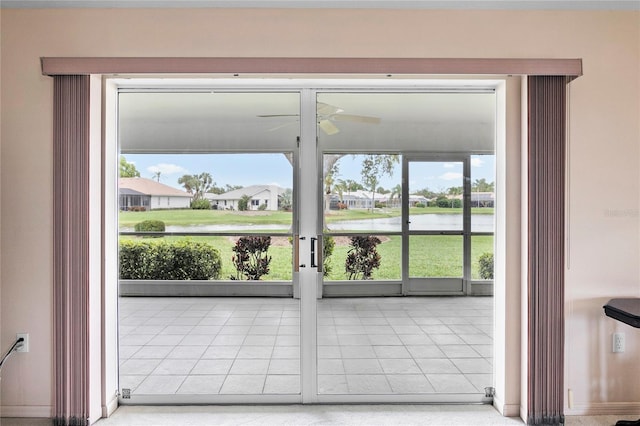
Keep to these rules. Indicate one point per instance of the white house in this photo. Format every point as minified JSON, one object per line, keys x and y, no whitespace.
{"x":362,"y":200}
{"x":150,"y":195}
{"x":258,"y":195}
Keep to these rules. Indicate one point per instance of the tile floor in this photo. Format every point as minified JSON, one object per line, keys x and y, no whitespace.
{"x":233,"y":346}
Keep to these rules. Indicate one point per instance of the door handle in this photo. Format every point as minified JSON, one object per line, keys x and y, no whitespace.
{"x":313,"y":252}
{"x":317,"y":256}
{"x":296,"y":253}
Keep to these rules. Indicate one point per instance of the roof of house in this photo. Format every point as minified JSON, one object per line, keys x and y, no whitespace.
{"x":250,"y":191}
{"x":151,"y":187}
{"x":129,"y":191}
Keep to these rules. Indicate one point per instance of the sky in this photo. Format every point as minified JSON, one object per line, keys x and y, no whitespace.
{"x":254,"y":169}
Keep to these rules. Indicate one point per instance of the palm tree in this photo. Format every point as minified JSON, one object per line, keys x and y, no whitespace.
{"x":396,"y":192}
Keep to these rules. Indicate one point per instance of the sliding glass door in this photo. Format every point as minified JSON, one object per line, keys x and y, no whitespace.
{"x":294,"y":246}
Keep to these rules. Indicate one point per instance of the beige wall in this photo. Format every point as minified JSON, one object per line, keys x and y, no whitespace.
{"x":604,"y":183}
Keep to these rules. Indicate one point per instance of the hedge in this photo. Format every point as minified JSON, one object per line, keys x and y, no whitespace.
{"x":161,"y":260}
{"x":150,"y":226}
{"x":485,"y":262}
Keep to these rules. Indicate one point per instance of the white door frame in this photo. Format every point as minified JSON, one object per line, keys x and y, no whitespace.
{"x":309,"y":218}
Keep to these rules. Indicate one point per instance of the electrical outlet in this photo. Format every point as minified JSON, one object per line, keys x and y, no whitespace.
{"x":618,"y":342}
{"x":24,"y":346}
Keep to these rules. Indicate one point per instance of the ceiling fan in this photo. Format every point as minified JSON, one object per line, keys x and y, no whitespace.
{"x":327,"y":114}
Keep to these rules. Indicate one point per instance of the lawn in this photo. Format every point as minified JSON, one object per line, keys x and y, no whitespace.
{"x":430,"y":256}
{"x":188,"y":217}
{"x":440,"y":256}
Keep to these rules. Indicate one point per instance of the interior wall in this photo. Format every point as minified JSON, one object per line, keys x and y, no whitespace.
{"x":604,"y":180}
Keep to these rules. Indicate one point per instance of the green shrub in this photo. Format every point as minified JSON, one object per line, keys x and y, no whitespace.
{"x":327,"y":250}
{"x":420,"y":205}
{"x":443,"y":202}
{"x":362,"y":258}
{"x":243,"y":203}
{"x":150,"y":226}
{"x":201,"y":204}
{"x":250,"y":259}
{"x":177,"y":260}
{"x":262,"y":207}
{"x":485,"y":263}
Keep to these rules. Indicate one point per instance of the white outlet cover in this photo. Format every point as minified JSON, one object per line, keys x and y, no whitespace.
{"x":618,"y":342}
{"x":25,"y":345}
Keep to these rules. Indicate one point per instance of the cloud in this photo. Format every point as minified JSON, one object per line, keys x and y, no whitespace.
{"x":477,"y":162}
{"x":450,"y":176}
{"x":448,"y":165}
{"x":167,"y":169}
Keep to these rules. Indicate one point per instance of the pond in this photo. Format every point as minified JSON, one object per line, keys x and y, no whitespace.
{"x":431,"y":222}
{"x":424,"y":222}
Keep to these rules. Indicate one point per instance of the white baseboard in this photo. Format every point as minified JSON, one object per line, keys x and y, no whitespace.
{"x":26,"y":411}
{"x":604,"y":408}
{"x":507,"y":410}
{"x":107,"y":410}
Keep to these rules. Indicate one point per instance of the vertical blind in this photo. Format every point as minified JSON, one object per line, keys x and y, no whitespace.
{"x":71,"y":249}
{"x":546,"y":197}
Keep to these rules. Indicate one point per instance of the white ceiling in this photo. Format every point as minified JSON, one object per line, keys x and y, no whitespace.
{"x":333,"y":4}
{"x":174,"y":122}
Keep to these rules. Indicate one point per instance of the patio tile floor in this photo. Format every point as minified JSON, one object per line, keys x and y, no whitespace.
{"x":392,"y":345}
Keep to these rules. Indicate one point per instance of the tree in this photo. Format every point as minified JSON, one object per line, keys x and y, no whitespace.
{"x":341,"y":188}
{"x":396,"y":192}
{"x":222,"y":189}
{"x":426,"y":193}
{"x":374,"y":166}
{"x":481,"y":185}
{"x":188,"y":182}
{"x":197,"y":185}
{"x":229,"y":188}
{"x":243,"y":203}
{"x":128,"y":169}
{"x":285,"y":200}
{"x":329,"y":179}
{"x":156,"y":175}
{"x":455,"y":190}
{"x":352,"y":185}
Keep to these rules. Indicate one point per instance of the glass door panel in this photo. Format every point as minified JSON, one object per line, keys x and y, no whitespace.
{"x":209,"y":257}
{"x":388,"y":240}
{"x":435,"y":241}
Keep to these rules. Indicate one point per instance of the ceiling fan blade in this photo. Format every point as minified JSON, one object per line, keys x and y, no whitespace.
{"x":281,"y":126}
{"x":328,"y":127}
{"x":323,"y":110}
{"x":277,"y":115}
{"x":356,"y":118}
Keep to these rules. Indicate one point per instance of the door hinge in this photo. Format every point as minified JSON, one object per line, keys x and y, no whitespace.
{"x":298,"y":141}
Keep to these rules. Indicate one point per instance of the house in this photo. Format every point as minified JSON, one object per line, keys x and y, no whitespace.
{"x":258,"y":196}
{"x":372,"y":40}
{"x":137,"y":192}
{"x":362,"y":200}
{"x":478,"y":199}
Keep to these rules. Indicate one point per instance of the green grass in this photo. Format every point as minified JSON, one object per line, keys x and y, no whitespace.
{"x":440,"y":256}
{"x":188,"y":217}
{"x":430,"y":256}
